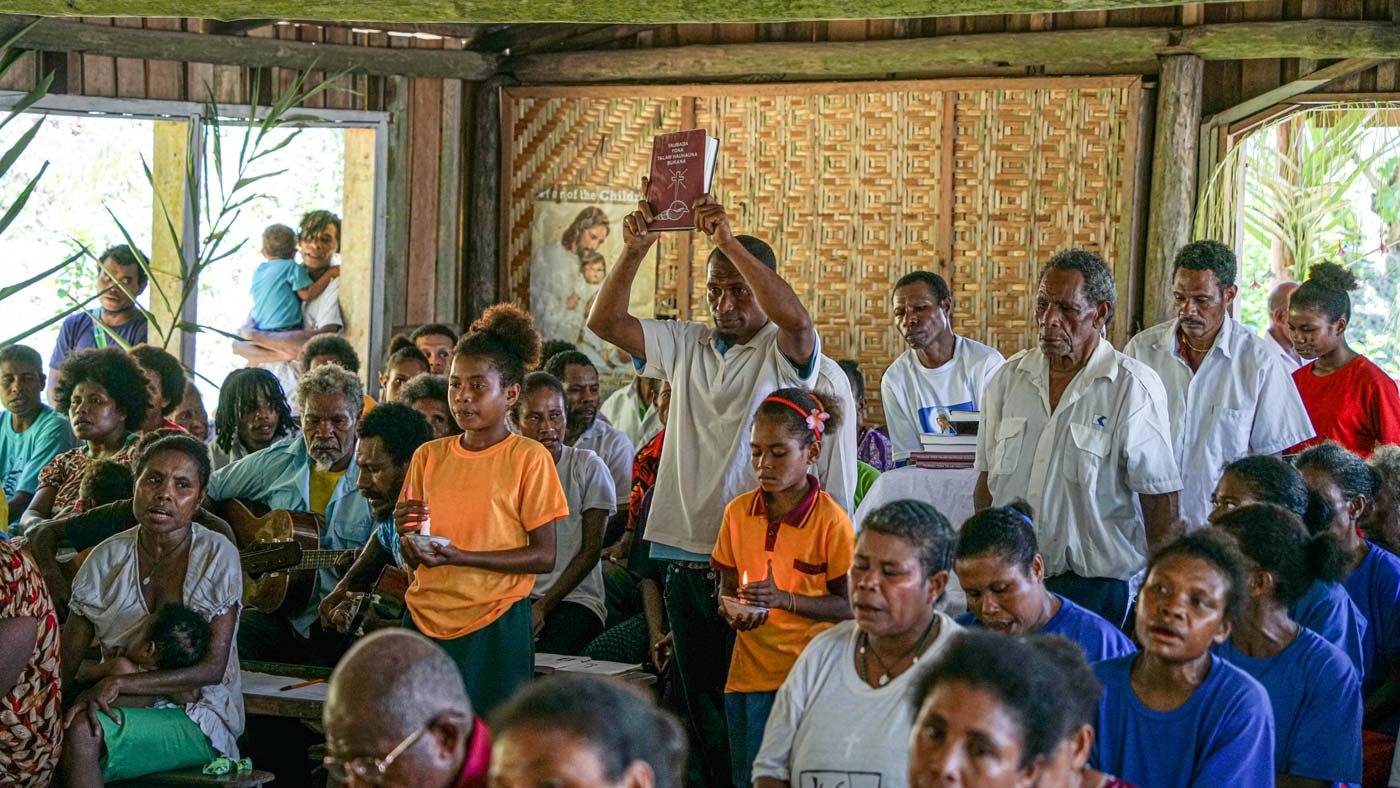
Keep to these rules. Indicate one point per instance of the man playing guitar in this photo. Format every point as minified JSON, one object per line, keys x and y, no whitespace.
{"x":388,"y":437}
{"x":314,"y":472}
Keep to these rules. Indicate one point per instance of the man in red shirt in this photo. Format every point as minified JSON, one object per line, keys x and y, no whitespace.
{"x":397,"y":714}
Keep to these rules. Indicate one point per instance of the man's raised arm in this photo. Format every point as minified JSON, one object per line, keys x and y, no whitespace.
{"x":610,"y":318}
{"x":797,"y":338}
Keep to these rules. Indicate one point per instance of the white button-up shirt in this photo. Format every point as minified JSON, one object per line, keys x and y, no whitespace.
{"x":1285,"y":354}
{"x":1080,"y":465}
{"x":1241,"y":401}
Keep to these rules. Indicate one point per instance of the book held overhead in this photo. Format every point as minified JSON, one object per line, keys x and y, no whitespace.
{"x":682,"y":170}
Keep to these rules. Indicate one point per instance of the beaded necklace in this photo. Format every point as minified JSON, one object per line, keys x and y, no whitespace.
{"x":917,"y":651}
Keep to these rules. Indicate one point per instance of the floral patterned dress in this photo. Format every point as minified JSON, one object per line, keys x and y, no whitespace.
{"x":30,"y":718}
{"x":65,"y":472}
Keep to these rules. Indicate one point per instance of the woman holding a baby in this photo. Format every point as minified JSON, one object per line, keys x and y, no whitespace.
{"x":160,"y":701}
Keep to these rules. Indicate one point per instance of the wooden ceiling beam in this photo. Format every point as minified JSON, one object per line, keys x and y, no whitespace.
{"x":53,"y":35}
{"x":526,"y":36}
{"x":466,"y":32}
{"x":593,"y":11}
{"x":235,"y":27}
{"x":601,"y":36}
{"x":1109,"y":50}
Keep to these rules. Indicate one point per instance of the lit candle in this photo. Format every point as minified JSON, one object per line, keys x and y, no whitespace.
{"x":745,"y":580}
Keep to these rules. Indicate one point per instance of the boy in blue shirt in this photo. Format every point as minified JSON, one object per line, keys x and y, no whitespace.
{"x":280,"y":284}
{"x":31,"y":433}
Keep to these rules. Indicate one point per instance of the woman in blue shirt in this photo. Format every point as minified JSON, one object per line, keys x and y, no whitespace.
{"x":1373,"y":581}
{"x":1313,"y":689}
{"x":1000,"y":568}
{"x":1373,"y":575}
{"x":1325,"y":607}
{"x":1173,"y":715}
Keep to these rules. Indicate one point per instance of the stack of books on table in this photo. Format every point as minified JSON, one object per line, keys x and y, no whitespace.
{"x":950,"y":451}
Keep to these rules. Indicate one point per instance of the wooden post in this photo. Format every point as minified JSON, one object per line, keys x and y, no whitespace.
{"x":1172,"y":200}
{"x":482,"y":269}
{"x":357,"y":247}
{"x":169,"y":159}
{"x":449,"y":236}
{"x":396,"y":100}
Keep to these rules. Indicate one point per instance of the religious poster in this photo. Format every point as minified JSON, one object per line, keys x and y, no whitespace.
{"x":575,"y":235}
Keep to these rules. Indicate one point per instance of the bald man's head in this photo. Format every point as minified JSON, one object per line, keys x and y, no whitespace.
{"x":1278,"y":299}
{"x":1278,"y":312}
{"x":389,"y":686}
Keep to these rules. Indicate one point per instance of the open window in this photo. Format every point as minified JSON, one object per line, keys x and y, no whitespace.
{"x":1308,"y":182}
{"x":161,"y":172}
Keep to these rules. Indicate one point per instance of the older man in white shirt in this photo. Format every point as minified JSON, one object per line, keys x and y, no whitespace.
{"x":1228,"y":392}
{"x":1277,"y":333}
{"x":1081,"y":432}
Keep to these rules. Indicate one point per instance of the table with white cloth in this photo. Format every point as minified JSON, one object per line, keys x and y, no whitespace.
{"x":949,"y":491}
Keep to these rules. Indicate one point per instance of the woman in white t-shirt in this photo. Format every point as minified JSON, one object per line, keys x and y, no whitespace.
{"x":941,"y":372}
{"x":115,"y":729}
{"x":843,"y":714}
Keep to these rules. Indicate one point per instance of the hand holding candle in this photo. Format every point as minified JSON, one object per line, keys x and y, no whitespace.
{"x":762,"y":593}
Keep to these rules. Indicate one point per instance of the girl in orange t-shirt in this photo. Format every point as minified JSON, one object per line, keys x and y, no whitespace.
{"x":496,"y":496}
{"x":784,"y":550}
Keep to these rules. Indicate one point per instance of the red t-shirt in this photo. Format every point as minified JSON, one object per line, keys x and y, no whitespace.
{"x":1357,"y":406}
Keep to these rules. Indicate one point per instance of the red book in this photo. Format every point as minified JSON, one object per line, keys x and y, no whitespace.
{"x":682,"y":168}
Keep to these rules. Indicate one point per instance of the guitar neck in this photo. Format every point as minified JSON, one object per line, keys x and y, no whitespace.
{"x":324,"y":559}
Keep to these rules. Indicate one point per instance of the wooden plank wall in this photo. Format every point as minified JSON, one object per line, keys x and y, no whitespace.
{"x":428,"y":254}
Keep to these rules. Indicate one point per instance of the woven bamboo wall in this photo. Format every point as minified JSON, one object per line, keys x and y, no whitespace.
{"x":856,"y":185}
{"x":1036,"y":171}
{"x":848,"y":189}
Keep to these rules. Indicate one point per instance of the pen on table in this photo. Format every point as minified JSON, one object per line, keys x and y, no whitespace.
{"x":302,"y":684}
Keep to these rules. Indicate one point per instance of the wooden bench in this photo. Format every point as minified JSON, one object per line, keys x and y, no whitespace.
{"x":196,"y":777}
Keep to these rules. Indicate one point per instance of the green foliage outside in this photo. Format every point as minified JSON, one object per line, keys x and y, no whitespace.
{"x":1319,"y":185}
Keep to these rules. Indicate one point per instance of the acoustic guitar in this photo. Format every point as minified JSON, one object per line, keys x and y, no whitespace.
{"x":382,"y":606}
{"x":280,"y":553}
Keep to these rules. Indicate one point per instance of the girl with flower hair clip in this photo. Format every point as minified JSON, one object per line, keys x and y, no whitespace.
{"x":783,"y":553}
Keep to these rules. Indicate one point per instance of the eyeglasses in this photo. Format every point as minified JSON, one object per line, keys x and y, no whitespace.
{"x":368,"y":769}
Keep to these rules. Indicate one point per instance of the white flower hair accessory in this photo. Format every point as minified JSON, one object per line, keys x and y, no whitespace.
{"x":815,"y":419}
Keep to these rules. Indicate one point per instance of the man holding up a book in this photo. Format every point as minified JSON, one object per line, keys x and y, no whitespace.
{"x":762,"y":339}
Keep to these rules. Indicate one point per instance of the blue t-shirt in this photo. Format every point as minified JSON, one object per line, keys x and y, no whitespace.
{"x":1316,"y":697}
{"x":1327,"y":609}
{"x":276,"y":305}
{"x":24,"y":454}
{"x":79,"y":332}
{"x":1375,"y":588}
{"x":1099,"y":639}
{"x":1222,"y":735}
